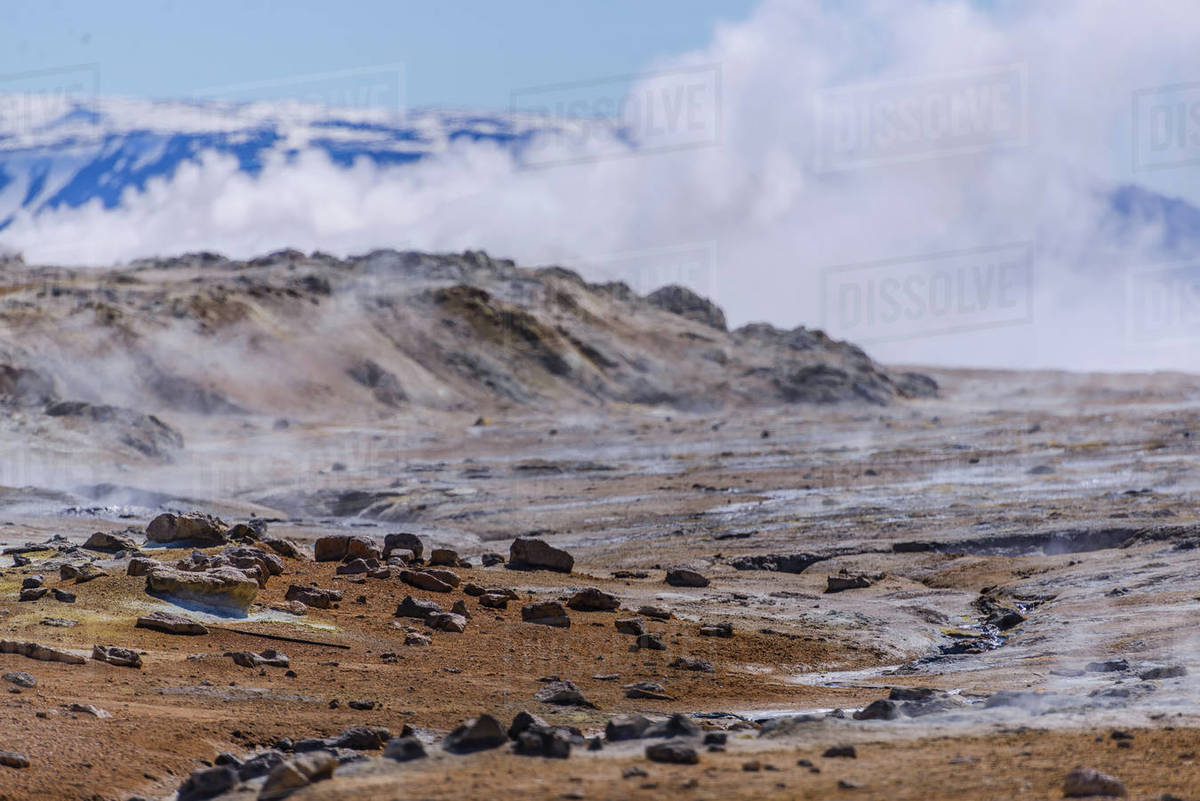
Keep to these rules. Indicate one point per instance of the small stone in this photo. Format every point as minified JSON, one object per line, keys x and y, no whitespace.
{"x":416,"y":639}
{"x":883,"y":709}
{"x":716,"y":630}
{"x":62,"y":596}
{"x":630,"y":625}
{"x":109,"y":542}
{"x":403,"y":541}
{"x":170,"y":623}
{"x":492,"y":559}
{"x":522,"y":721}
{"x":362,"y":705}
{"x":476,"y":734}
{"x":634,"y":772}
{"x":656,"y":612}
{"x":842,"y":583}
{"x":417,"y":608}
{"x":207,"y":783}
{"x":424,"y":580}
{"x":21,"y":679}
{"x":460,"y":608}
{"x":121,"y":657}
{"x":647,"y":689}
{"x":404,"y":749}
{"x":1169,"y":672}
{"x":313,"y":596}
{"x":33,"y":594}
{"x":32,"y":582}
{"x":493,"y":600}
{"x":672,"y":752}
{"x":682,"y":577}
{"x":1084,"y":782}
{"x":89,"y":709}
{"x":444,"y":556}
{"x":299,"y":771}
{"x":693,"y":663}
{"x":447,"y":621}
{"x":11,"y":759}
{"x":626,"y":727}
{"x":1108,"y":666}
{"x":678,"y":725}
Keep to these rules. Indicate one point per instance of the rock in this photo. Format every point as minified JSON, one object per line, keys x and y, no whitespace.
{"x":651,"y":642}
{"x":259,"y":765}
{"x":21,"y":679}
{"x":423,"y":580}
{"x":244,"y":557}
{"x":656,"y":612}
{"x":62,"y":596}
{"x":416,"y":608}
{"x":297,"y":772}
{"x":141,"y":566}
{"x":169,"y":623}
{"x":473,"y":589}
{"x":842,"y":583}
{"x":1108,"y":666}
{"x":201,"y":529}
{"x":362,"y":738}
{"x":1170,"y":672}
{"x":284,"y":547}
{"x":34,"y":594}
{"x":546,"y":613}
{"x":716,"y":630}
{"x":672,"y":752}
{"x":444,"y":556}
{"x":68,"y":571}
{"x":684,"y":302}
{"x":445,"y":576}
{"x":416,"y":639}
{"x":362,"y":547}
{"x":562,"y":693}
{"x":693,"y":663}
{"x":460,"y":608}
{"x":331,"y":548}
{"x":476,"y":734}
{"x":840,"y":752}
{"x":626,"y":727}
{"x":269,"y":657}
{"x":32,"y":582}
{"x":313,"y":596}
{"x":1084,"y":782}
{"x":447,"y":621}
{"x":11,"y":759}
{"x":108,"y":542}
{"x":42,"y":653}
{"x":297,"y":608}
{"x":493,"y":600}
{"x":207,"y":783}
{"x":682,"y":577}
{"x":404,"y":749}
{"x":678,"y":725}
{"x":403,"y":541}
{"x":531,"y":553}
{"x":591,"y":599}
{"x":89,"y":709}
{"x":356,"y":566}
{"x":253,"y":530}
{"x":782,"y":563}
{"x":491,"y":559}
{"x":224,"y":586}
{"x":647,"y":689}
{"x":630,"y":625}
{"x":883,"y":709}
{"x":543,"y":741}
{"x":121,"y":657}
{"x":88,"y":573}
{"x":58,"y":622}
{"x":522,"y":721}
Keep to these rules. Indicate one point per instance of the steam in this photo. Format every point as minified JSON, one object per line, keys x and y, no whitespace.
{"x":785,"y":169}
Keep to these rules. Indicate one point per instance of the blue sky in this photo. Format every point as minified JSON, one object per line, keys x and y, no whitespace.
{"x":469,"y":53}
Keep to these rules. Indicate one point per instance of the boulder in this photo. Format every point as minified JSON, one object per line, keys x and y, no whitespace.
{"x":424,"y":580}
{"x":447,"y":621}
{"x":546,"y":613}
{"x":362,"y":547}
{"x":416,"y":608}
{"x":298,"y":772}
{"x":682,"y":577}
{"x":171,"y":624}
{"x":403,"y":541}
{"x":847,"y":582}
{"x":716,"y":630}
{"x":444,"y":556}
{"x":543,"y":741}
{"x":224,"y":586}
{"x":672,"y":752}
{"x":562,"y":693}
{"x":531,"y":553}
{"x":883,"y":709}
{"x":331,"y":548}
{"x":141,"y":566}
{"x":404,"y":749}
{"x":493,"y":600}
{"x":207,"y":783}
{"x":42,"y":653}
{"x":269,"y":657}
{"x":195,"y":527}
{"x":651,"y":642}
{"x":1085,"y":782}
{"x":626,"y":727}
{"x":591,"y":599}
{"x":445,"y":576}
{"x":630,"y":625}
{"x":476,"y":734}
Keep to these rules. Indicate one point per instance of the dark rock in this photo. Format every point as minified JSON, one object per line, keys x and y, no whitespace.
{"x":716,"y":630}
{"x":522,"y":721}
{"x":32,"y":582}
{"x":840,"y":752}
{"x":682,"y":577}
{"x":546,"y":613}
{"x":447,"y":621}
{"x":21,"y":679}
{"x":259,"y":765}
{"x":207,"y":783}
{"x":591,"y":599}
{"x":678,"y":725}
{"x":331,"y":548}
{"x":693,"y":663}
{"x":424,"y":580}
{"x":403,"y":541}
{"x":647,"y":689}
{"x":361,"y":704}
{"x":108,"y":542}
{"x":476,"y":734}
{"x":531,"y":553}
{"x":493,"y":600}
{"x":630,"y":625}
{"x":62,"y":596}
{"x":297,"y":772}
{"x":626,"y":727}
{"x":171,"y":624}
{"x":1108,"y":666}
{"x":543,"y":741}
{"x":655,"y":612}
{"x":883,"y":709}
{"x":651,"y":642}
{"x":1084,"y":783}
{"x":34,"y":594}
{"x":444,"y":556}
{"x":313,"y":596}
{"x":842,"y":583}
{"x":1169,"y":672}
{"x":11,"y":759}
{"x":404,"y":749}
{"x":672,"y":752}
{"x":362,"y":738}
{"x":492,"y":559}
{"x":680,"y":300}
{"x":782,"y":563}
